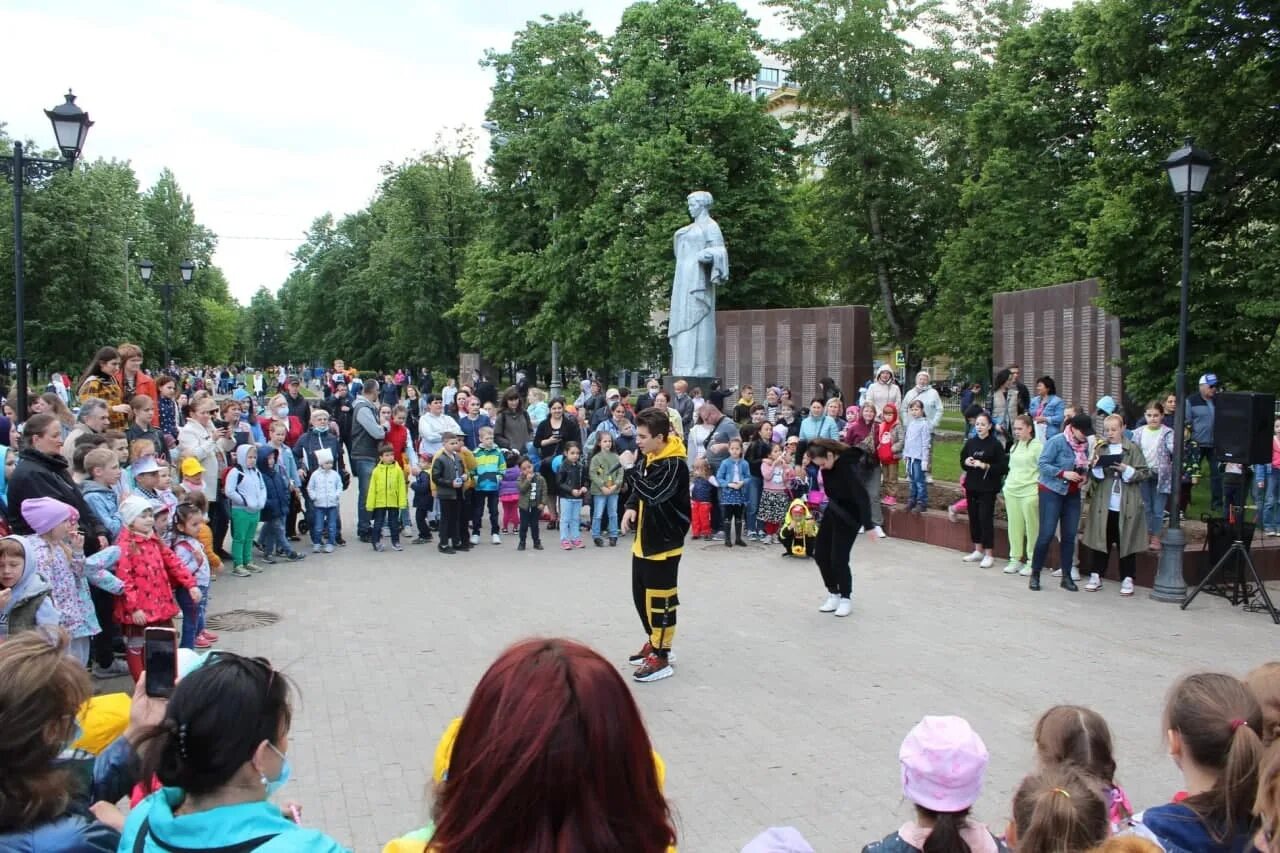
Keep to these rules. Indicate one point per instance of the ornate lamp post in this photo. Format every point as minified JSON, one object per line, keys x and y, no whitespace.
{"x":1188,"y":169}
{"x":187,"y":268}
{"x":70,"y":127}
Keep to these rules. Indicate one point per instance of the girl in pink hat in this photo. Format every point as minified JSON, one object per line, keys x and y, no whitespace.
{"x":57,"y":551}
{"x":943,"y":764}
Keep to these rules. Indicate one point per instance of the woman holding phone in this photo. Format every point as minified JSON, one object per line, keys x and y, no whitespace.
{"x":220,"y":753}
{"x":1117,"y":515}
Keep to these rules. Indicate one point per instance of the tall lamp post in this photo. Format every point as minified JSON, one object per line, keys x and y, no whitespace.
{"x":70,"y":126}
{"x":187,"y":268}
{"x":1188,"y":169}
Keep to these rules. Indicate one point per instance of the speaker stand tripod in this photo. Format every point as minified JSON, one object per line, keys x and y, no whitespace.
{"x":1243,"y":592}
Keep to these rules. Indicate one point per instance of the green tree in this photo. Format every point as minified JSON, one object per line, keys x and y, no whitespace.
{"x":887,"y":112}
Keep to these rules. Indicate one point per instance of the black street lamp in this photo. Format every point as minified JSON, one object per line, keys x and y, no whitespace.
{"x":70,"y":127}
{"x":1188,"y":169}
{"x":187,"y":268}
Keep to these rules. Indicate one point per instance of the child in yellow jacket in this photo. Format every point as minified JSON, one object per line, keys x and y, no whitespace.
{"x":387,"y":497}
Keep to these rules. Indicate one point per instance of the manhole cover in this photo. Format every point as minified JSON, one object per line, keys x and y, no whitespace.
{"x":241,"y":620}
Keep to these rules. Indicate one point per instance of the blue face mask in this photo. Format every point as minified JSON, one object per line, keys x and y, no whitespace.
{"x":273,"y":785}
{"x":320,"y":430}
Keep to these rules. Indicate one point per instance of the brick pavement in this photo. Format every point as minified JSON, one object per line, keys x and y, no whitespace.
{"x":777,"y":715}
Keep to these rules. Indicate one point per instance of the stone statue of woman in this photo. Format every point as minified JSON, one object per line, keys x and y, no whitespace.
{"x":701,"y":263}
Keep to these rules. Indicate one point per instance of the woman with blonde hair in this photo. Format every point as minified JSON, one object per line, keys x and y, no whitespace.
{"x":44,"y":803}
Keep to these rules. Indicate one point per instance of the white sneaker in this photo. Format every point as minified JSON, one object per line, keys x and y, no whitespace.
{"x":880,"y":532}
{"x":475,"y":538}
{"x":1025,"y":571}
{"x":972,"y":558}
{"x":496,"y":539}
{"x":1014,"y":567}
{"x":1057,"y":573}
{"x":1126,"y":586}
{"x":987,"y":562}
{"x":1075,"y":574}
{"x":844,"y":608}
{"x":1094,"y":584}
{"x":829,"y":606}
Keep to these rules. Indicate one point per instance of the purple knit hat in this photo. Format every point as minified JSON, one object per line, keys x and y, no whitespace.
{"x":44,"y":514}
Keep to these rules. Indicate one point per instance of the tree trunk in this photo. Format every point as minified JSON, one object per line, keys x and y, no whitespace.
{"x":877,"y":241}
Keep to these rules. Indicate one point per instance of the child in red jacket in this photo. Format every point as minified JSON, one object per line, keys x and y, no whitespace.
{"x":150,"y":573}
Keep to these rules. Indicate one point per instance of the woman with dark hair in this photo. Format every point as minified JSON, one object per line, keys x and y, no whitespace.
{"x":985,"y":462}
{"x":1046,"y":409}
{"x":413,"y":406}
{"x":101,"y":379}
{"x":551,"y":754}
{"x":1004,"y":404}
{"x":848,"y":511}
{"x":550,"y":439}
{"x":220,"y":753}
{"x":44,"y":802}
{"x":513,"y":430}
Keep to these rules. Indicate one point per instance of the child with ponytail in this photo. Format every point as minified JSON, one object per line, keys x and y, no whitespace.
{"x":1266,"y":807}
{"x":1212,"y":724}
{"x":1058,"y":810}
{"x":943,"y":764}
{"x":1079,"y":738}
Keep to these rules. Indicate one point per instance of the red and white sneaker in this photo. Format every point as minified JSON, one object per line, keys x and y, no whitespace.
{"x":203,"y":642}
{"x":654,"y":668}
{"x":212,"y":637}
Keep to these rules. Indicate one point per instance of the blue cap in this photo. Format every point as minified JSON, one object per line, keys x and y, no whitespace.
{"x":1210,"y":379}
{"x":1107,"y":404}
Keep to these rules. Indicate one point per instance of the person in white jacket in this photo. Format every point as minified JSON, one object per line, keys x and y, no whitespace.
{"x":928,"y":397}
{"x":324,"y":487}
{"x":883,"y":390}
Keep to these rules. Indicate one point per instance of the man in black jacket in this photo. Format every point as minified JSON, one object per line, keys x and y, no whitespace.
{"x":318,"y":437}
{"x":658,"y":509}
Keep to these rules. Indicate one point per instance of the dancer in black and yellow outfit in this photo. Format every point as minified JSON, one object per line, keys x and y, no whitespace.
{"x":658,"y":509}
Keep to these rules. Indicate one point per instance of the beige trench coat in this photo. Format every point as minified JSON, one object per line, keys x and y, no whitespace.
{"x":1133,"y":523}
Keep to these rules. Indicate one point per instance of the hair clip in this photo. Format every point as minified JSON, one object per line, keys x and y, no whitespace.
{"x":1237,"y":723}
{"x":1063,"y":792}
{"x":182,"y":739}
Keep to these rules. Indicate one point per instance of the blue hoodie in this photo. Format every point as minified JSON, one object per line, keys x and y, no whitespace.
{"x":245,"y":488}
{"x":276,"y":504}
{"x":30,"y":585}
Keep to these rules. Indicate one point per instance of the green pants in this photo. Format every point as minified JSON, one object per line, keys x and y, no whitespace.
{"x":1024,"y":526}
{"x":244,"y":523}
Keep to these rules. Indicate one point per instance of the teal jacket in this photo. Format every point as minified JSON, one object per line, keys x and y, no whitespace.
{"x":221,"y":827}
{"x":490,"y":465}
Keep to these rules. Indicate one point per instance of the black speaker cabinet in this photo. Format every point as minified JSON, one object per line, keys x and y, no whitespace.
{"x":1243,"y":425}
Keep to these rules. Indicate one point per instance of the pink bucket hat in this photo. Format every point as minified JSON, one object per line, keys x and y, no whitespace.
{"x":943,"y":763}
{"x":44,"y":514}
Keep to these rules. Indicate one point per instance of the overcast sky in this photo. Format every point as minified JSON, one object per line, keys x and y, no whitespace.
{"x":269,"y":114}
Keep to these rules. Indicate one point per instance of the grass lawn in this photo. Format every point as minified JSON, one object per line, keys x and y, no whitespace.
{"x":946,"y":468}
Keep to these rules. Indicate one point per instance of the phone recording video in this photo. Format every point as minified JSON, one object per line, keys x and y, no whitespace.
{"x":160,"y":659}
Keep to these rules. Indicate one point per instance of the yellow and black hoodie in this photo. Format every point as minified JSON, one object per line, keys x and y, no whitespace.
{"x":660,"y":496}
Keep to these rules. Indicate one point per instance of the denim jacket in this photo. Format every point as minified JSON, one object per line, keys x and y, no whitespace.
{"x":1056,"y":457}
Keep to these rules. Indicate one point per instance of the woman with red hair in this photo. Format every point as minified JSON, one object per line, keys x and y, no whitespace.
{"x":550,"y":755}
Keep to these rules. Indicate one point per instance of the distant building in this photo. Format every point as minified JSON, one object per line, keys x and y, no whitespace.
{"x":769,"y":79}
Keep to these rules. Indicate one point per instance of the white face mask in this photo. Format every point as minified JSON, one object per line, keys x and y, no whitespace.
{"x":282,"y":412}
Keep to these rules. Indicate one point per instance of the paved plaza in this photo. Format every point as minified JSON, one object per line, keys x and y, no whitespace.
{"x":777,"y":714}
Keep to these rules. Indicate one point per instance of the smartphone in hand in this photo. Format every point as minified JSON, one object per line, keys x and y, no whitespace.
{"x":160,"y":660}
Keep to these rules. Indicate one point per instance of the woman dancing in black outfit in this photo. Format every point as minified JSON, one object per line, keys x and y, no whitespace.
{"x":848,"y":511}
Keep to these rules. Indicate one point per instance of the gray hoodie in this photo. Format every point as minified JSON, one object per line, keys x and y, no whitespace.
{"x":31,"y":603}
{"x":245,"y":488}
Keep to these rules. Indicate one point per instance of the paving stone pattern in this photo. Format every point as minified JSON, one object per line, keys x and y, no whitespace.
{"x":777,"y":715}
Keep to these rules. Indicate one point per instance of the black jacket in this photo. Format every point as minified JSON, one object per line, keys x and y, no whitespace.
{"x":304,"y":451}
{"x":299,"y":408}
{"x":990,"y":450}
{"x":39,"y":475}
{"x":568,"y":432}
{"x":572,"y":475}
{"x":847,"y":500}
{"x":662,"y":486}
